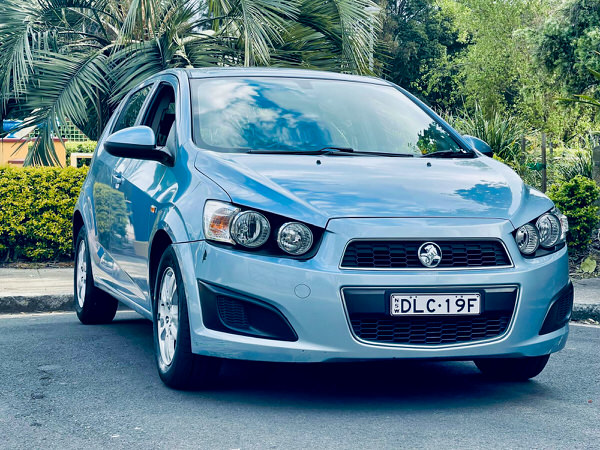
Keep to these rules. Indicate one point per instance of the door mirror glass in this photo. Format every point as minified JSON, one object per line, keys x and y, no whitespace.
{"x":479,"y":145}
{"x":137,"y":143}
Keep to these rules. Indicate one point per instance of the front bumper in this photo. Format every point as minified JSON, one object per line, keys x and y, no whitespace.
{"x":309,"y":294}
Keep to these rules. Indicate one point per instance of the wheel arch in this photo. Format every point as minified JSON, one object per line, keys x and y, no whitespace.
{"x":160,"y":242}
{"x":77,"y":225}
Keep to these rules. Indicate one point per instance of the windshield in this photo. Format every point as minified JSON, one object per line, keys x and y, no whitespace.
{"x":307,"y":115}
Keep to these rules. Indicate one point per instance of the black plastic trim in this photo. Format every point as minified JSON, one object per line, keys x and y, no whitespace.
{"x":554,"y":319}
{"x":261,"y":319}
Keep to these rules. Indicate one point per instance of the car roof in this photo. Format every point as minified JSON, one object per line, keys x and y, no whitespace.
{"x":219,"y":72}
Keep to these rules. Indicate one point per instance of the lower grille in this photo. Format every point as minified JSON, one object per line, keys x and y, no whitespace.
{"x":232,"y":312}
{"x":371,"y":320}
{"x":560,"y":312}
{"x":429,"y":331}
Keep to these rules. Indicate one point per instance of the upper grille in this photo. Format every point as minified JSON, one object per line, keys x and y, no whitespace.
{"x":403,"y":254}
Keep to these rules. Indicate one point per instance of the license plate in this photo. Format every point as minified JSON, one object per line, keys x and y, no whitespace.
{"x":435,"y":304}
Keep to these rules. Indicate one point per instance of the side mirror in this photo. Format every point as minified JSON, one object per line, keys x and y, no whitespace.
{"x":479,"y":145}
{"x":137,"y":143}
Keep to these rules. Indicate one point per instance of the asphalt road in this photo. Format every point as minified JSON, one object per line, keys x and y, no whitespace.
{"x":66,"y":385}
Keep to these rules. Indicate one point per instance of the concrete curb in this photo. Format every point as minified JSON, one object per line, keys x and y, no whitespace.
{"x":64,"y":302}
{"x":582,"y":312}
{"x":38,"y":303}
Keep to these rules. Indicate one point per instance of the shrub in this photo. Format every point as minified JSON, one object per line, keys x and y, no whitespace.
{"x":502,"y":132}
{"x":578,"y":163}
{"x":79,"y":147}
{"x":36,"y":210}
{"x":575,"y":198}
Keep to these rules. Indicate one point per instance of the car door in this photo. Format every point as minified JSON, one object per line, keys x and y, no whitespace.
{"x":109,"y":204}
{"x":143,"y":189}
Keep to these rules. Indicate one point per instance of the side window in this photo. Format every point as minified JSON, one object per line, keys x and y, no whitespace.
{"x":160,"y":115}
{"x":132,"y":109}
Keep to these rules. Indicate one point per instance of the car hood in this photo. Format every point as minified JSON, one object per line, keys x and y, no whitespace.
{"x":315,"y":189}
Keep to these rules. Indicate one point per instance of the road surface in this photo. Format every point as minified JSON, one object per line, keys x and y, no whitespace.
{"x":66,"y":385}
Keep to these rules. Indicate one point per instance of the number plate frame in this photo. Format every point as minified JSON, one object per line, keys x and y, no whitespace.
{"x":434,"y":304}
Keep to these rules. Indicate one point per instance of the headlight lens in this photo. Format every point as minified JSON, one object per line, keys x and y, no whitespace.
{"x":527,"y":239}
{"x":294,"y":238}
{"x":564,"y":225}
{"x":217,"y":220}
{"x":548,"y":226}
{"x":250,"y":229}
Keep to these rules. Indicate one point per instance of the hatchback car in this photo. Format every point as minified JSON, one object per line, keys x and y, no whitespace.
{"x":302,"y":216}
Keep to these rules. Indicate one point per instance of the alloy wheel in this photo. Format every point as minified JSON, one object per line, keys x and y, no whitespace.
{"x":81,"y":272}
{"x":167,"y":316}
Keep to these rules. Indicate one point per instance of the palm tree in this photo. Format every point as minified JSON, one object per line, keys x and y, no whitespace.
{"x":73,"y":60}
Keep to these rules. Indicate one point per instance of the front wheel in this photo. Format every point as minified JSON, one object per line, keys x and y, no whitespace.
{"x":92,"y":305}
{"x":512,"y":369}
{"x":178,"y":367}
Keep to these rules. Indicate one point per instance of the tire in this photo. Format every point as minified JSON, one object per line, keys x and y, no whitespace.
{"x":177,"y":366}
{"x":92,"y":305}
{"x":512,"y":369}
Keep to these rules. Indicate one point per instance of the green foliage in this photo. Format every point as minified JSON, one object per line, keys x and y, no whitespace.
{"x":418,"y":36}
{"x":502,"y":132}
{"x":495,"y":59}
{"x":80,"y":147}
{"x":36,"y":210}
{"x":575,"y":198}
{"x":568,"y":44}
{"x":575,"y":163}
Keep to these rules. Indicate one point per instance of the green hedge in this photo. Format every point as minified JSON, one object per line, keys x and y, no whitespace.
{"x":36,"y":210}
{"x":79,"y":147}
{"x":576,"y":198}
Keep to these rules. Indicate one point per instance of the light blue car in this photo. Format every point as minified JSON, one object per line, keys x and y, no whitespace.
{"x":302,"y":216}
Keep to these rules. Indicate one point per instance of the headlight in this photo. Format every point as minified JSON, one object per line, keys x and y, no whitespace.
{"x":224,"y":222}
{"x":528,"y":239}
{"x":217,"y":220}
{"x":250,"y":229}
{"x":548,"y":226}
{"x":294,"y":238}
{"x":547,"y":231}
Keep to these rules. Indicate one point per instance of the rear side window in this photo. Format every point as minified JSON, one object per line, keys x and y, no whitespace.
{"x":132,"y":109}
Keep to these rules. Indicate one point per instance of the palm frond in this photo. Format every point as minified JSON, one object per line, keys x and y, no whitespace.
{"x":60,"y":90}
{"x":16,"y":59}
{"x":259,"y":25}
{"x":139,"y":20}
{"x":134,"y":63}
{"x":349,"y":24}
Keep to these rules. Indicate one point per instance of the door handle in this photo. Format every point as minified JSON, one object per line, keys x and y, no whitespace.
{"x":117,"y":179}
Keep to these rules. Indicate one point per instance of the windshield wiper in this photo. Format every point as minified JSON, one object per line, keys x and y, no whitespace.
{"x":450,"y":154}
{"x":331,"y":151}
{"x":349,"y":150}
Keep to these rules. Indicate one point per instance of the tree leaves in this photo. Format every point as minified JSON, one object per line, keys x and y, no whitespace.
{"x":63,"y":60}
